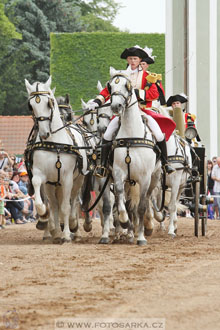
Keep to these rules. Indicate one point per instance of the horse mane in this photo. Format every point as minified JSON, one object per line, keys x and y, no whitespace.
{"x":61,"y":100}
{"x":163,"y":111}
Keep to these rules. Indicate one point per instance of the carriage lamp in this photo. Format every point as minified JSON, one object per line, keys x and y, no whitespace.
{"x":209,"y":200}
{"x":190,"y":132}
{"x":201,"y":207}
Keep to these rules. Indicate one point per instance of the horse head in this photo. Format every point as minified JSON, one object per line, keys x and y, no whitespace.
{"x":89,"y":118}
{"x":120,"y":89}
{"x":66,"y":112}
{"x":42,"y":103}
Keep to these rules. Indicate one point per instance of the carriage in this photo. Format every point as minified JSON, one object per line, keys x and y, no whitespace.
{"x":194,"y":195}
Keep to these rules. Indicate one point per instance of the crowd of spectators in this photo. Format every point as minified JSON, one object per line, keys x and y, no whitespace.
{"x":213,"y":187}
{"x":16,"y":206}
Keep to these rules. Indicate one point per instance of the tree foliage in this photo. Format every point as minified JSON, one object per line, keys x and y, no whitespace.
{"x":7,"y":34}
{"x":35,"y":20}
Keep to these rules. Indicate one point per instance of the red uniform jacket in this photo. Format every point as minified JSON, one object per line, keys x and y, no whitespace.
{"x":151,"y":93}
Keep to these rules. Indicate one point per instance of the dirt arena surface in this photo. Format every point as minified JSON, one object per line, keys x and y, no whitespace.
{"x":173,"y":279}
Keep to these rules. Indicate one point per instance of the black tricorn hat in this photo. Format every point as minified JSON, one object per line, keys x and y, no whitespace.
{"x":148,"y":60}
{"x":176,"y":98}
{"x":133,"y":51}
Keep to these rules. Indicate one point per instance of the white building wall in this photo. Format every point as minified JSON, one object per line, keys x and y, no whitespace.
{"x":193,"y":64}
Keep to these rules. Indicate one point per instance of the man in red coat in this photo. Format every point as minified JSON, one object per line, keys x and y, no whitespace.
{"x":146,"y":91}
{"x":145,"y":62}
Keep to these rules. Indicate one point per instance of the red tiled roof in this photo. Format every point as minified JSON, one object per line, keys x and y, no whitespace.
{"x":14,"y":132}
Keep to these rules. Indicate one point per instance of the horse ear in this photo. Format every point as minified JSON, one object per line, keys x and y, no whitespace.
{"x":112,"y":71}
{"x":67,"y":99}
{"x":99,"y":86}
{"x":53,"y":90}
{"x":48,"y":83}
{"x":84,"y":105}
{"x":28,"y":86}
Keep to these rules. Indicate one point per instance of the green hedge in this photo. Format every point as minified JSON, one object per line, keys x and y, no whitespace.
{"x":79,"y":60}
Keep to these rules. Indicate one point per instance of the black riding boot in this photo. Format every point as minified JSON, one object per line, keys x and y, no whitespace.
{"x":101,"y":170}
{"x":163,"y":148}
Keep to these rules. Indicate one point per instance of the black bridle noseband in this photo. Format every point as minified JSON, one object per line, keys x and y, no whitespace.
{"x":37,"y":95}
{"x":117,"y":93}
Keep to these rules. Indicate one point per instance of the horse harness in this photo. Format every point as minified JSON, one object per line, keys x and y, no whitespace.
{"x":132,"y":143}
{"x":182,"y":159}
{"x":32,"y":145}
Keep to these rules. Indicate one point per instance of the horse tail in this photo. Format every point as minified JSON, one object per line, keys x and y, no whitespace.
{"x":132,"y":195}
{"x":86,"y":189}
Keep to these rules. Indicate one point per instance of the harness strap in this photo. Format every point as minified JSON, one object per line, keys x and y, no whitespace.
{"x":133,"y":142}
{"x":58,"y":166}
{"x":130,"y":143}
{"x":52,"y":146}
{"x":99,"y":196}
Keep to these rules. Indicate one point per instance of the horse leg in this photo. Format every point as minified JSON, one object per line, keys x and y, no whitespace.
{"x":106,"y":211}
{"x":111,"y":219}
{"x":40,"y":206}
{"x":75,"y":208}
{"x":153,"y":190}
{"x":176,"y":218}
{"x":86,"y":197}
{"x":74,"y":217}
{"x":63,"y":195}
{"x":144,"y":186}
{"x":119,"y":189}
{"x":172,"y":207}
{"x":148,"y":218}
{"x":54,"y":224}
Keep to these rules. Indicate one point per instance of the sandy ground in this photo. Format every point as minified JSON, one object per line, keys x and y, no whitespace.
{"x":173,"y":279}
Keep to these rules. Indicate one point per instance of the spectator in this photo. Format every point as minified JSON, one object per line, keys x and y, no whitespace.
{"x":2,"y":195}
{"x":210,"y":181}
{"x":23,"y":186}
{"x":210,"y":185}
{"x":16,"y":207}
{"x":216,"y":177}
{"x":5,"y":160}
{"x":214,"y":160}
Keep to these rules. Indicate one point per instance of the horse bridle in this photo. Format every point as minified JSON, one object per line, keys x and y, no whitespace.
{"x":37,"y":95}
{"x":92,"y":121}
{"x":128,"y":86}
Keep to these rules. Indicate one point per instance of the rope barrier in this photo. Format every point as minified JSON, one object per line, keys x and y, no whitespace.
{"x":15,"y":200}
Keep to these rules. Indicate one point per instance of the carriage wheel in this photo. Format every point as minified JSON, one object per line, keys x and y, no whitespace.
{"x":204,"y":219}
{"x":196,"y":215}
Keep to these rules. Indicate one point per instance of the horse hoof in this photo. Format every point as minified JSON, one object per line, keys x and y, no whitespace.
{"x":66,"y":240}
{"x":172,"y":235}
{"x":47,"y":238}
{"x":141,"y":242}
{"x":131,"y":240}
{"x":124,"y":225}
{"x":175,"y":231}
{"x":41,"y":225}
{"x":74,"y":230}
{"x":58,"y":240}
{"x":87,"y":227}
{"x":104,"y":240}
{"x":148,"y":232}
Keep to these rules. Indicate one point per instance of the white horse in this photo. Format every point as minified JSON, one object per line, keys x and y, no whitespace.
{"x":178,"y":151}
{"x":58,"y":164}
{"x":134,"y":158}
{"x":91,"y":120}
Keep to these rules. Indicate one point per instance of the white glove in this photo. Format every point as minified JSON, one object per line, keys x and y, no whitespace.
{"x":91,"y":105}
